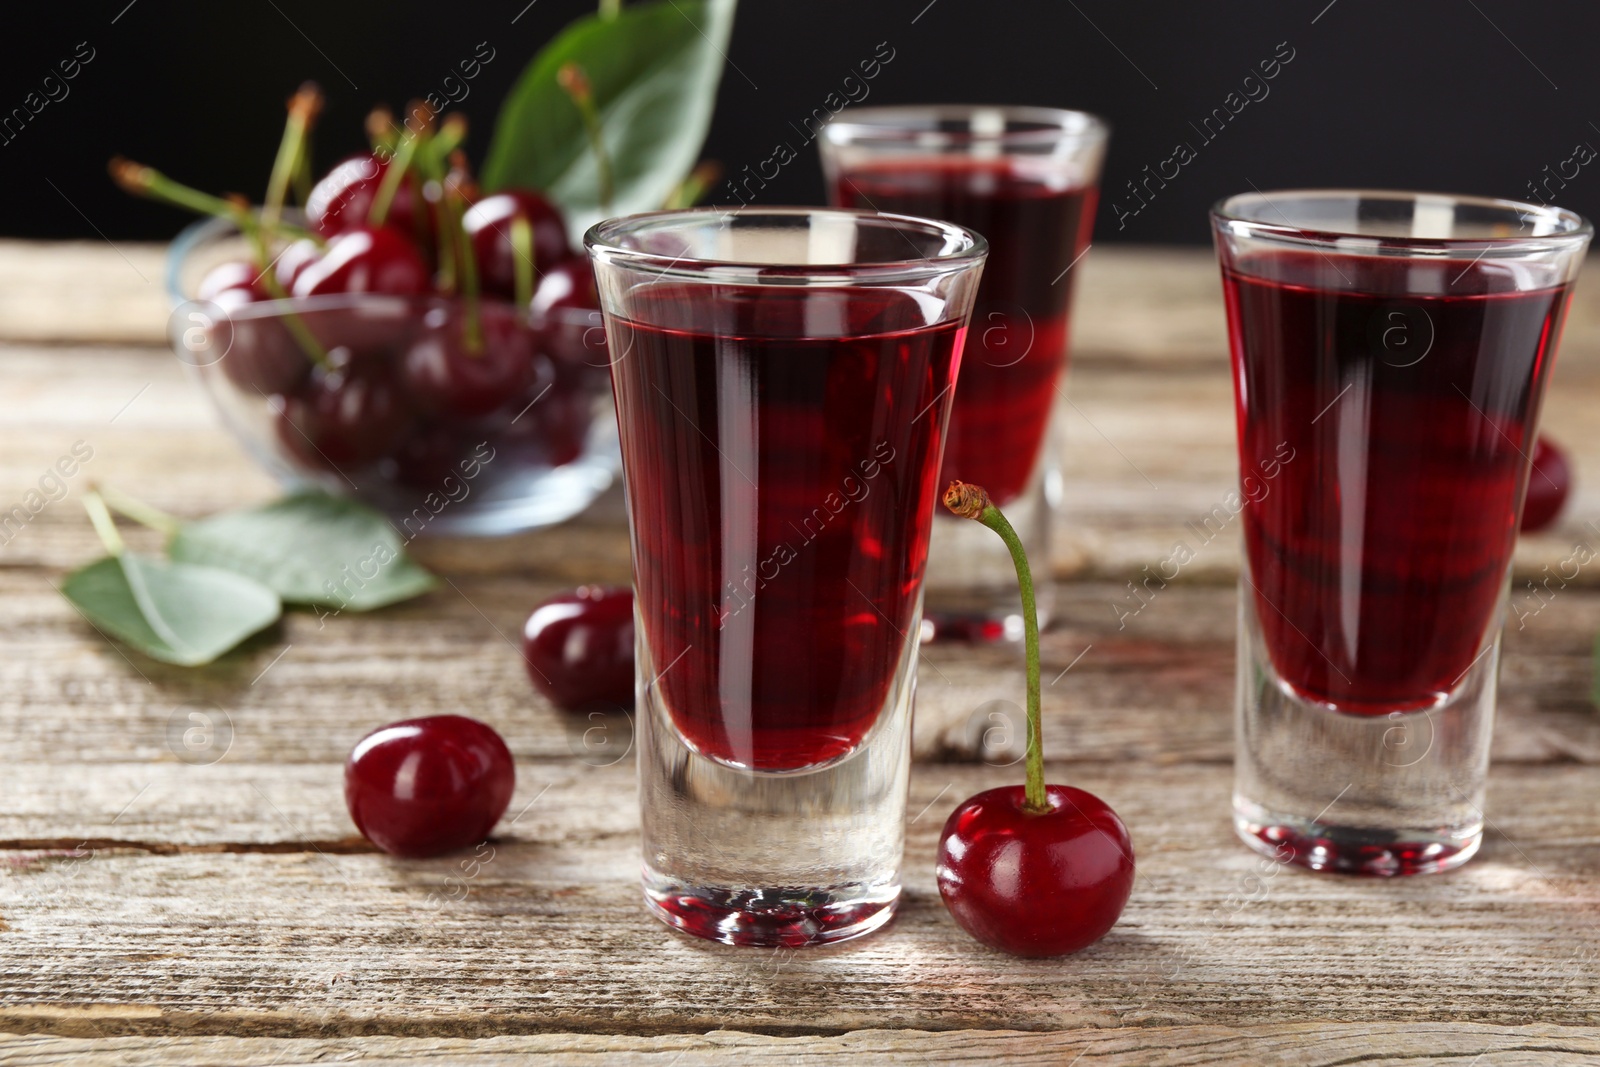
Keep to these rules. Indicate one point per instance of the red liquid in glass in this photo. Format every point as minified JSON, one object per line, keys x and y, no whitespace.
{"x":781,"y":490}
{"x":1379,"y":547}
{"x":1018,"y":343}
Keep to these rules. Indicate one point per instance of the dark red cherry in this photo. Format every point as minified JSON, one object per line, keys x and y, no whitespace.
{"x":346,"y":416}
{"x":1549,"y":485}
{"x":258,"y":354}
{"x":262,"y":356}
{"x":236,"y":274}
{"x":488,"y":223}
{"x":342,"y":200}
{"x":428,"y":455}
{"x":562,"y":419}
{"x":427,"y":786}
{"x":566,"y":308}
{"x":1035,"y":884}
{"x":579,"y":648}
{"x":380,"y":260}
{"x":293,"y":261}
{"x":443,"y":373}
{"x":551,"y":424}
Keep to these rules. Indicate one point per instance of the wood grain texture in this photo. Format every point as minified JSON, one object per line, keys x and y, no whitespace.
{"x":1148,"y":440}
{"x":190,"y":898}
{"x":1159,"y":690}
{"x":548,"y":933}
{"x":1283,"y":1045}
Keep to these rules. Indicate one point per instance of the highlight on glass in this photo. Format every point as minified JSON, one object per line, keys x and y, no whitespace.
{"x":783,"y":381}
{"x":1390,"y":354}
{"x":1027,"y":179}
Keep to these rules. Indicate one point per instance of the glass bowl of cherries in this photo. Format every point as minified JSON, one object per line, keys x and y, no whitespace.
{"x":402,"y":338}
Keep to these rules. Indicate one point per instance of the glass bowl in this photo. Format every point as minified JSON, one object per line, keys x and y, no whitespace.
{"x":360,"y":426}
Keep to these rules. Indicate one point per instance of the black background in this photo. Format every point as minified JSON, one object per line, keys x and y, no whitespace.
{"x":1472,"y":96}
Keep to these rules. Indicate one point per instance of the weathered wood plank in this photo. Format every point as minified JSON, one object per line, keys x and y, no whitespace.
{"x":549,"y":934}
{"x":1152,"y":305}
{"x":144,"y":895}
{"x":1149,"y":442}
{"x":1288,"y":1045}
{"x":1160,"y":689}
{"x":55,"y":291}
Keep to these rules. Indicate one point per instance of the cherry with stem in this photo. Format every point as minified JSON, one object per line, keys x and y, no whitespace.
{"x":1036,"y":870}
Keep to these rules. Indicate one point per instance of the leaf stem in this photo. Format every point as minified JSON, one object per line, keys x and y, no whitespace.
{"x":137,"y":510}
{"x":575,"y":82}
{"x":104,"y":524}
{"x":972,"y":502}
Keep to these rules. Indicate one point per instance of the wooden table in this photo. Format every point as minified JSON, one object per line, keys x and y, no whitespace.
{"x":154,"y":910}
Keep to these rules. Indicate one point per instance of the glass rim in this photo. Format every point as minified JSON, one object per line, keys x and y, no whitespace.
{"x":1227,"y":216}
{"x":600,"y":241}
{"x":891,"y":124}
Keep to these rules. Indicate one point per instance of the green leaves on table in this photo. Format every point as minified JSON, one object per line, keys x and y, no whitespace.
{"x":229,"y":575}
{"x":174,"y":612}
{"x":309,"y":548}
{"x":653,"y":68}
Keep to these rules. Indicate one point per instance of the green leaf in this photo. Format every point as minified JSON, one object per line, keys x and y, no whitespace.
{"x":174,"y":612}
{"x":310,"y":548}
{"x":654,"y":69}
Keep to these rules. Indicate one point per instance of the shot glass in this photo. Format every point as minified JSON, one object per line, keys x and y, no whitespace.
{"x":1027,"y":179}
{"x":1390,"y":354}
{"x":783,"y":380}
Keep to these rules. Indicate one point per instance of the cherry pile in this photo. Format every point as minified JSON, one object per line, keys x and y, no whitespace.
{"x":411,"y":317}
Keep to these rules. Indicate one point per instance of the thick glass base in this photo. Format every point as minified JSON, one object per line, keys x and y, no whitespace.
{"x":777,"y":859}
{"x":1382,"y":795}
{"x":774,"y":918}
{"x":1321,"y":846}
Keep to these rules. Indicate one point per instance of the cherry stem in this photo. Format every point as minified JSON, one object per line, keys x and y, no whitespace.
{"x":610,"y":9}
{"x":522,"y":262}
{"x":694,"y":185}
{"x":302,"y":179}
{"x":138,"y":510}
{"x":382,"y":131}
{"x":972,"y":502}
{"x":104,"y":524}
{"x":452,"y":132}
{"x":304,"y":106}
{"x":455,"y":200}
{"x":575,"y":82}
{"x":399,"y":164}
{"x":140,"y":180}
